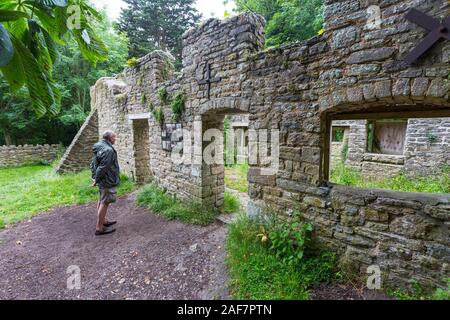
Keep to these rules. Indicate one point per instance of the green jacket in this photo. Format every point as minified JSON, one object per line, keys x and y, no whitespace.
{"x":105,"y":166}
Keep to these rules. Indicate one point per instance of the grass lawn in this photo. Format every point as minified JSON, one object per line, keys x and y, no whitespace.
{"x":157,"y":200}
{"x":236,"y":177}
{"x":26,"y":191}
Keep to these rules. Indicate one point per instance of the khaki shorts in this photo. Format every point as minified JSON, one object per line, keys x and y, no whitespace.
{"x":108,"y":195}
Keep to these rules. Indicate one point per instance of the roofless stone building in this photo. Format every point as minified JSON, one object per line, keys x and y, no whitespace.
{"x":354,"y":71}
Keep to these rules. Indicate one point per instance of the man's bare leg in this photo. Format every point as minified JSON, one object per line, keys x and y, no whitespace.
{"x":103,"y":209}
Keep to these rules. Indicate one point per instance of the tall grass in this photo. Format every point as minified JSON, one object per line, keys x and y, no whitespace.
{"x":231,"y":203}
{"x":157,"y":200}
{"x":348,"y":176}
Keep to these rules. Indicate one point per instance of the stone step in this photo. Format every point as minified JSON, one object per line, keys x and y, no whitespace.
{"x":227,"y":218}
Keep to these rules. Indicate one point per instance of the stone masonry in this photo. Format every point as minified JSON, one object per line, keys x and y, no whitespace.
{"x":79,"y":154}
{"x":26,"y":154}
{"x":355,"y":67}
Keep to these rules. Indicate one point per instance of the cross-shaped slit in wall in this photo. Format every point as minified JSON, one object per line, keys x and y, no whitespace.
{"x":208,"y":80}
{"x":438,"y":30}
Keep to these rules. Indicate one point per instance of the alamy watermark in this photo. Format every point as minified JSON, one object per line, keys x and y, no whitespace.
{"x":74,"y":279}
{"x":374,"y":278}
{"x":260,"y":147}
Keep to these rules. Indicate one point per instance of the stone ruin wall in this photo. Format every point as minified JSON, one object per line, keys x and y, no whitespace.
{"x":25,"y":154}
{"x":296,"y":89}
{"x":79,"y":154}
{"x":427,"y":145}
{"x":422,"y":155}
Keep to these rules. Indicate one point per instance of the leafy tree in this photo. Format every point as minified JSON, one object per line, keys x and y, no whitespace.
{"x":266,"y":8}
{"x":287,"y":20}
{"x":30,"y":32}
{"x":76,"y":75}
{"x":157,"y":24}
{"x":73,"y":76}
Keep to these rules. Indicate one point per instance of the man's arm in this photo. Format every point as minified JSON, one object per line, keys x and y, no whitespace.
{"x":93,"y":167}
{"x":105,"y":163}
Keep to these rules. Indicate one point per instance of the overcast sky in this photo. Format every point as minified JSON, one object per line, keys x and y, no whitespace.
{"x":209,"y":8}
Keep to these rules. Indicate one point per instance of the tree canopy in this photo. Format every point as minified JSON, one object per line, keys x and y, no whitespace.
{"x":287,"y":20}
{"x":73,"y":77}
{"x":30,"y":32}
{"x":157,"y":24}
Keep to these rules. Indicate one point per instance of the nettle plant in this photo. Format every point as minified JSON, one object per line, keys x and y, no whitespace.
{"x":287,"y":238}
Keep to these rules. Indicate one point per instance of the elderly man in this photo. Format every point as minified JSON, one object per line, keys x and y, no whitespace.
{"x":105,"y":175}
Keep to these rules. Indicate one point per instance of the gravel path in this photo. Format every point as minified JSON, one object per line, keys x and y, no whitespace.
{"x":147,"y":257}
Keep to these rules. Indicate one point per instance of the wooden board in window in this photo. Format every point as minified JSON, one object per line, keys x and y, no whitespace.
{"x":390,"y":137}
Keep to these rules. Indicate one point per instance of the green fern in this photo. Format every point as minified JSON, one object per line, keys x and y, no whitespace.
{"x":29,"y":62}
{"x":158,"y":114}
{"x":163,"y":95}
{"x":178,"y":106}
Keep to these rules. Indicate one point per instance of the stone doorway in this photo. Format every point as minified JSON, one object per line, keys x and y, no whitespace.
{"x":215,"y":174}
{"x":141,"y":148}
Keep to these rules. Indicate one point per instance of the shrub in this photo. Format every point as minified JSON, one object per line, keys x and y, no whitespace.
{"x":288,"y":239}
{"x":257,"y":273}
{"x":132,"y":62}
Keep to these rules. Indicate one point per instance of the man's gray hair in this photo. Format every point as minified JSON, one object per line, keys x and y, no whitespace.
{"x":107,"y":134}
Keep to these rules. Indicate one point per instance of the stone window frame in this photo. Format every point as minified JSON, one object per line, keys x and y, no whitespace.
{"x":374,"y":113}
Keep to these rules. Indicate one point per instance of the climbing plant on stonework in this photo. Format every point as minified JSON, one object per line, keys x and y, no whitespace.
{"x":287,"y":20}
{"x":30,"y":32}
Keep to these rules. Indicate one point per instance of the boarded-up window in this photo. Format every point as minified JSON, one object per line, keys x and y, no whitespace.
{"x":386,"y":136}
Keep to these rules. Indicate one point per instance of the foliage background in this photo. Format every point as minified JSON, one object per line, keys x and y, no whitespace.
{"x":73,"y":76}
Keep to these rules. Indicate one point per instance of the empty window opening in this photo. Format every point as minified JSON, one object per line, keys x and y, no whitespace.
{"x":409,"y":154}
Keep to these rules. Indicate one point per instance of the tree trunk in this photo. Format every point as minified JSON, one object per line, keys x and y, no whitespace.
{"x":7,"y":137}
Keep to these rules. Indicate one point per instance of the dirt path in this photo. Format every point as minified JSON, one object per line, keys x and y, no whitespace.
{"x":147,"y":258}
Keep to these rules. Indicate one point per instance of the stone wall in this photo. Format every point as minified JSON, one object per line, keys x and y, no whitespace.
{"x":299,"y":89}
{"x":27,"y":154}
{"x":427,"y":146}
{"x":78,"y":155}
